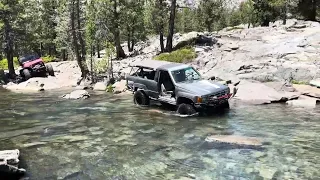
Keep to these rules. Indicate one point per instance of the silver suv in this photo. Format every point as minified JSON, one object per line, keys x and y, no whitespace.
{"x":175,"y":84}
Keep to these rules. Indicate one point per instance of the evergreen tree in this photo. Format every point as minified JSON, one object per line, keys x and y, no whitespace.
{"x":308,"y":9}
{"x":210,"y":11}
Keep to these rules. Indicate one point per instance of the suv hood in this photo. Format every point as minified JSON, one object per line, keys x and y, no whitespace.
{"x":31,"y":63}
{"x":202,"y":87}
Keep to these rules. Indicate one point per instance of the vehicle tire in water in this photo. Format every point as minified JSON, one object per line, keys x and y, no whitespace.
{"x":141,"y":99}
{"x":186,"y":109}
{"x":27,"y":74}
{"x":50,"y":69}
{"x":225,"y":105}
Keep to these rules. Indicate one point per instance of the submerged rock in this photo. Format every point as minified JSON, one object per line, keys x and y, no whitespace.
{"x":78,"y":94}
{"x":34,"y":144}
{"x":237,"y":140}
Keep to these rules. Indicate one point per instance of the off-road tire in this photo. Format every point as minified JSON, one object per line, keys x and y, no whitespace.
{"x":186,"y":109}
{"x":50,"y":69}
{"x":26,"y":74}
{"x":141,"y":98}
{"x":225,"y":105}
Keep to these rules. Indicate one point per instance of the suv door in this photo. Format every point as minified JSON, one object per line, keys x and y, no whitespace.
{"x":152,"y":86}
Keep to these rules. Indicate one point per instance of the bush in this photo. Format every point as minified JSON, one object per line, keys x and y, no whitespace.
{"x":299,"y":82}
{"x":178,"y":56}
{"x":48,"y":59}
{"x":4,"y":63}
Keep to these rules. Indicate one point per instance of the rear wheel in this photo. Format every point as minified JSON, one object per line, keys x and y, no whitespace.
{"x":50,"y":69}
{"x":141,"y":99}
{"x":186,"y":109}
{"x":27,"y":74}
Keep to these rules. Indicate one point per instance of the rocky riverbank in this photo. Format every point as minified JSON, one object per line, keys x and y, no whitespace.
{"x":270,"y":62}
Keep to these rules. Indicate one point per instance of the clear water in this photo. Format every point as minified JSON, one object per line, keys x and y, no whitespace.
{"x":106,"y":137}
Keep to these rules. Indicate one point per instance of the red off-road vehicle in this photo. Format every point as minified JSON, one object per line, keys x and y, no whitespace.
{"x":34,"y":66}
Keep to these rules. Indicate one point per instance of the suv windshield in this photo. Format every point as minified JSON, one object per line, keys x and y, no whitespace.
{"x":28,"y":58}
{"x":186,"y":74}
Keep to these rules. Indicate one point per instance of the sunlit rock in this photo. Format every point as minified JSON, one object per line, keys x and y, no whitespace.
{"x":179,"y":155}
{"x":33,"y":144}
{"x":121,"y":138}
{"x":236,"y":140}
{"x":77,"y":94}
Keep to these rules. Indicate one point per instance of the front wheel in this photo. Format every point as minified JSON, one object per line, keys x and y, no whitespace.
{"x":27,"y":74}
{"x":50,"y":69}
{"x":186,"y":109}
{"x":141,"y":98}
{"x":225,"y":105}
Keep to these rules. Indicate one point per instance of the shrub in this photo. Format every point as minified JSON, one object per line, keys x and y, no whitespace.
{"x":299,"y":82}
{"x":178,"y":56}
{"x":48,"y":59}
{"x":4,"y":63}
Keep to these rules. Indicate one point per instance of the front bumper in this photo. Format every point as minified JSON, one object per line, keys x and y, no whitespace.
{"x":214,"y":103}
{"x":39,"y":69}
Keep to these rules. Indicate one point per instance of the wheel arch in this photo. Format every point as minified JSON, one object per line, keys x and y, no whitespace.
{"x":184,"y":100}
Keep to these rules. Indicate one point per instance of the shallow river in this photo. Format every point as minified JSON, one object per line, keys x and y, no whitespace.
{"x":106,"y":137}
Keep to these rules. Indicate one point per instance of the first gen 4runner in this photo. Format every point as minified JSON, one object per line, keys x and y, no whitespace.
{"x":176,"y":84}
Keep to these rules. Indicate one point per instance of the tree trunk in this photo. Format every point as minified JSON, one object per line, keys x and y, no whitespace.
{"x":82,"y":43}
{"x":64,"y":57}
{"x":9,"y":48}
{"x":129,"y":38}
{"x":119,"y":51}
{"x":161,"y":28}
{"x":98,"y":49}
{"x":208,"y":27}
{"x":284,"y":13}
{"x":265,"y":22}
{"x":171,"y":25}
{"x":161,"y":41}
{"x":132,"y":40}
{"x":74,"y":36}
{"x":313,"y":14}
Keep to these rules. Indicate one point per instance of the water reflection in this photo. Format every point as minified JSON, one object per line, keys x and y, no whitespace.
{"x":106,"y":137}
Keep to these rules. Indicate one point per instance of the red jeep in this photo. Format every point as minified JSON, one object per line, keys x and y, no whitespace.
{"x":33,"y":66}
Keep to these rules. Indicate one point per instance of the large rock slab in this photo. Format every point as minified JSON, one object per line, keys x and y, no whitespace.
{"x":258,"y":93}
{"x":308,"y":90}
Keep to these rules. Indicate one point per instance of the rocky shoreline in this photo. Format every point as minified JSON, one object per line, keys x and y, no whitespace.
{"x":273,"y":64}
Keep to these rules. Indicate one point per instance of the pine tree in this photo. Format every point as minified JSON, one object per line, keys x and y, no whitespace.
{"x":210,"y":11}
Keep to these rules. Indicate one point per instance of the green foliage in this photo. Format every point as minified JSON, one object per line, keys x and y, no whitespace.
{"x":179,"y":56}
{"x":299,"y":82}
{"x":4,"y":63}
{"x":210,"y":11}
{"x":102,"y":65}
{"x":186,"y":20}
{"x":110,"y":88}
{"x":48,"y":59}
